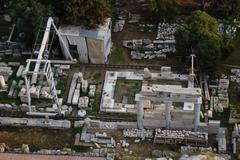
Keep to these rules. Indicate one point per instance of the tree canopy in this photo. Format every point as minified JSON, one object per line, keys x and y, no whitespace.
{"x":89,"y":13}
{"x":199,"y":35}
{"x":27,"y":15}
{"x":162,"y":9}
{"x":229,"y":9}
{"x":2,"y":4}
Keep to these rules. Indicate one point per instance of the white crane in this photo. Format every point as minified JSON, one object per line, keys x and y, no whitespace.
{"x":50,"y":23}
{"x":10,"y":36}
{"x":42,"y":67}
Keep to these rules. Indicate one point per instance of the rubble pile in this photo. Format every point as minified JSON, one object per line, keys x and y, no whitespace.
{"x":5,"y":71}
{"x":25,"y":148}
{"x":205,"y":157}
{"x":107,"y":125}
{"x":45,"y":93}
{"x":236,"y":75}
{"x":137,"y":133}
{"x":102,"y":152}
{"x":138,"y":43}
{"x":180,"y":137}
{"x":101,"y":138}
{"x":147,"y":49}
{"x":60,"y":70}
{"x":124,"y":143}
{"x":219,"y":99}
{"x":147,"y":55}
{"x":189,"y":149}
{"x":179,"y":134}
{"x":166,"y":31}
{"x":12,"y":48}
{"x":119,"y":24}
{"x":163,"y":45}
{"x":227,"y":29}
{"x":223,"y":92}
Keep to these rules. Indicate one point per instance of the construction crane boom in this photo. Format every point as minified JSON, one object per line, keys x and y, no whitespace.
{"x":43,"y":48}
{"x":42,"y":67}
{"x":10,"y":36}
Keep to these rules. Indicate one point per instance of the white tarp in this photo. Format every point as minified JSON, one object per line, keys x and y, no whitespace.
{"x":82,"y":50}
{"x":80,"y":42}
{"x":96,"y":51}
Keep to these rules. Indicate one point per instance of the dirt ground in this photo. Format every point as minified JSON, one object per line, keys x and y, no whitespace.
{"x":127,"y":88}
{"x":147,"y":149}
{"x":234,"y":58}
{"x":7,"y":156}
{"x":121,"y":55}
{"x":36,"y":138}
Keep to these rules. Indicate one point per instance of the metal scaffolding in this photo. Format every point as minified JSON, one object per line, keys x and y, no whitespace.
{"x":45,"y":70}
{"x":41,"y":67}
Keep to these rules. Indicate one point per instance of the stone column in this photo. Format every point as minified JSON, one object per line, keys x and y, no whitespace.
{"x":168,"y":106}
{"x":197,"y":111}
{"x":191,"y":81}
{"x":2,"y":82}
{"x":140,"y":115}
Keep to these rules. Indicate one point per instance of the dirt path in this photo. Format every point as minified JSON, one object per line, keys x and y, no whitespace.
{"x":7,"y":156}
{"x":36,"y":137}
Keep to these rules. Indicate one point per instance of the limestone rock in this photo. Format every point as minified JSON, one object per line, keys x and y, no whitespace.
{"x":25,"y":148}
{"x":2,"y":147}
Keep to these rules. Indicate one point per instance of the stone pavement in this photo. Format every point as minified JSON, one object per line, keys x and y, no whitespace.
{"x":9,"y":156}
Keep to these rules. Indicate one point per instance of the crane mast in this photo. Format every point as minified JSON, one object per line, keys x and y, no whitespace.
{"x":42,"y":67}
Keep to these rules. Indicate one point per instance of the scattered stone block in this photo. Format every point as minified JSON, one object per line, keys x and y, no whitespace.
{"x":14,"y":64}
{"x":76,"y":96}
{"x":20,"y":71}
{"x":25,"y":148}
{"x":84,"y":86}
{"x":24,"y":108}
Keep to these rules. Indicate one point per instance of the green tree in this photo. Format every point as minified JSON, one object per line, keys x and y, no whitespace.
{"x":89,"y":13}
{"x":199,"y":35}
{"x":27,"y":15}
{"x":3,"y":3}
{"x":228,"y":9}
{"x":163,"y":9}
{"x":228,"y":46}
{"x":56,"y":5}
{"x":235,"y":12}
